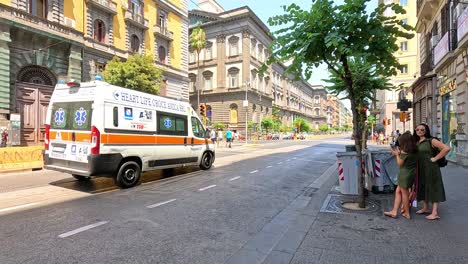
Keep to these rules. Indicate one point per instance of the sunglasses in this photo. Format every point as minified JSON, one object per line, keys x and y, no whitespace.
{"x":420,"y":129}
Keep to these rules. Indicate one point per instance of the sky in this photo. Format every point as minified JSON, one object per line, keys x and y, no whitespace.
{"x":265,"y":9}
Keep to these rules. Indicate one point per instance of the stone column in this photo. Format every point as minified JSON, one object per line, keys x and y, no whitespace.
{"x":4,"y":68}
{"x":245,"y":57}
{"x":74,"y":63}
{"x":220,"y":59}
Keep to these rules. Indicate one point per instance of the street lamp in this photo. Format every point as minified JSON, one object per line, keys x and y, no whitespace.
{"x":246,"y":105}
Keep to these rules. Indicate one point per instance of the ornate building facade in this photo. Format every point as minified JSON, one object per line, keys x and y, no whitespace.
{"x":441,"y":92}
{"x":44,"y":41}
{"x":227,"y":76}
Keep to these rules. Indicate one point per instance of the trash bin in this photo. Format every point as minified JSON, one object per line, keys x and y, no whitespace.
{"x":347,"y":172}
{"x":350,"y":148}
{"x":382,"y":171}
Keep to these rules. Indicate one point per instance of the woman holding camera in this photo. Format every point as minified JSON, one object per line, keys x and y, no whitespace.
{"x":431,"y":186}
{"x":406,"y":155}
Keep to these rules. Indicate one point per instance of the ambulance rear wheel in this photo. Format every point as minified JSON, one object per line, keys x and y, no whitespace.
{"x":128,"y":175}
{"x":206,"y":161}
{"x":81,"y":178}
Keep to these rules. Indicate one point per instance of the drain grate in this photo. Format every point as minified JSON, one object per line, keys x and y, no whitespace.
{"x":334,"y":204}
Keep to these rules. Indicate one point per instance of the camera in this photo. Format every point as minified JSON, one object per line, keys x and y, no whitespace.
{"x":394,"y":144}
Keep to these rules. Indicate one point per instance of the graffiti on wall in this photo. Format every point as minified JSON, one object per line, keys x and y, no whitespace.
{"x":16,"y":158}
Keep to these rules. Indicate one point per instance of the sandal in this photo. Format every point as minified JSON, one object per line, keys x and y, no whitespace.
{"x":389,"y":214}
{"x":407,"y":216}
{"x":422,"y":211}
{"x":432,"y":217}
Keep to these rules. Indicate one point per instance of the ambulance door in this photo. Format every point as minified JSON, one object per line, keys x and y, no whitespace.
{"x":172,"y":140}
{"x":198,"y":142}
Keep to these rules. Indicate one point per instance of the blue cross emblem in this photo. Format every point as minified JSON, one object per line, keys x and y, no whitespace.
{"x":167,"y":123}
{"x":59,"y":116}
{"x":80,"y":116}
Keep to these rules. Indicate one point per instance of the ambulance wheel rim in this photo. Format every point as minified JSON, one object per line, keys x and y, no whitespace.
{"x":130,"y":174}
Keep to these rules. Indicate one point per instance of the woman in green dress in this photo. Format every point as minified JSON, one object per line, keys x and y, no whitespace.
{"x":406,"y":155}
{"x":430,"y":184}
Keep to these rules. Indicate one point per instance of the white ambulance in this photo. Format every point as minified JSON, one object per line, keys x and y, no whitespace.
{"x":98,"y":129}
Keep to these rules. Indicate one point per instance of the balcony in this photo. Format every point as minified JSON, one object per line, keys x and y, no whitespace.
{"x":462,"y":26}
{"x":40,"y":25}
{"x":107,"y":6}
{"x":136,"y":19}
{"x":163,"y":32}
{"x":445,"y":45}
{"x":424,"y":8}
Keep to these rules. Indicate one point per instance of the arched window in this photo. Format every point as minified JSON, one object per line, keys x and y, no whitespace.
{"x":162,"y":54}
{"x":208,"y":50}
{"x":253,"y":47}
{"x":233,"y":114}
{"x":233,"y":77}
{"x":134,"y":43}
{"x":207,"y":80}
{"x":193,"y":82}
{"x":317,"y":111}
{"x":99,"y":33}
{"x":317,"y":99}
{"x":233,"y":46}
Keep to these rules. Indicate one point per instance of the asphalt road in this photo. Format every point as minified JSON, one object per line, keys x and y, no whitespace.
{"x":195,"y":217}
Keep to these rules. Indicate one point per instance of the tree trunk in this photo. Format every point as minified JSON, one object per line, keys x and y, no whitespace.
{"x":357,"y":133}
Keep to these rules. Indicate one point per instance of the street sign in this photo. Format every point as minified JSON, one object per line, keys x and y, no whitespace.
{"x":404,"y":105}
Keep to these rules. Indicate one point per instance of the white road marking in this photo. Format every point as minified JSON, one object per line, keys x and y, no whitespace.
{"x":17,"y":207}
{"x":280,"y":162}
{"x":253,"y":171}
{"x":206,"y":188}
{"x":81,"y":229}
{"x":269,"y":166}
{"x":235,"y":178}
{"x":294,"y":158}
{"x":161,"y":203}
{"x":288,"y":160}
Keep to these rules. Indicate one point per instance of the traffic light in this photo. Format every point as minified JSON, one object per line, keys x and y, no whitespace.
{"x":408,"y":117}
{"x":385,"y":122}
{"x":402,"y":116}
{"x":202,"y":110}
{"x":389,"y":121}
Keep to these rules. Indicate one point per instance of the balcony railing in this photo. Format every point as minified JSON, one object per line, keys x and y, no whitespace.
{"x":39,"y":24}
{"x":163,"y":32}
{"x":136,"y":19}
{"x":105,"y":5}
{"x":446,"y":44}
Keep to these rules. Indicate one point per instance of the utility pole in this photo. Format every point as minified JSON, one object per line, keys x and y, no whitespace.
{"x":246,"y":105}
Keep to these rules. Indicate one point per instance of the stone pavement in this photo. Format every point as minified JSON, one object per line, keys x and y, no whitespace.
{"x":370,"y":237}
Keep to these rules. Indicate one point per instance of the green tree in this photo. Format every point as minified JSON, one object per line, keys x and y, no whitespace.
{"x":356,"y":47}
{"x":218,"y":126}
{"x":137,"y":72}
{"x":324,"y":128}
{"x":267,"y":123}
{"x":198,"y":42}
{"x":301,"y":124}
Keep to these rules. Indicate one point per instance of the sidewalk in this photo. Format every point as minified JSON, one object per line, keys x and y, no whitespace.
{"x":370,"y":237}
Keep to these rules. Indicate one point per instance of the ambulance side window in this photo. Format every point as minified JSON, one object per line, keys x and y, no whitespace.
{"x":116,"y":116}
{"x":171,"y":124}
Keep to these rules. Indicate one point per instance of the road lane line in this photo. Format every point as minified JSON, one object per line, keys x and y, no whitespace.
{"x":17,"y":207}
{"x":206,"y":188}
{"x":81,"y":229}
{"x":288,"y":160}
{"x":269,"y":166}
{"x":161,"y":203}
{"x":253,"y":171}
{"x":235,"y":178}
{"x":280,"y":162}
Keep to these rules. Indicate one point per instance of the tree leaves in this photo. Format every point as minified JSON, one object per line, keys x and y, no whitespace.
{"x":138,"y":73}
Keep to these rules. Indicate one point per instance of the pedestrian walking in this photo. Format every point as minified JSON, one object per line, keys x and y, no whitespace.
{"x":430,"y":187}
{"x":4,"y":139}
{"x":213,"y":136}
{"x":228,"y":138}
{"x":220,"y":136}
{"x":381,"y":138}
{"x":406,"y":156}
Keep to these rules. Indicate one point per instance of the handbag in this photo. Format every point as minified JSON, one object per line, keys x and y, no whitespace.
{"x":442,"y":162}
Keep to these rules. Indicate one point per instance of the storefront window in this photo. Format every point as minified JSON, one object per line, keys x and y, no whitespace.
{"x":449,"y":123}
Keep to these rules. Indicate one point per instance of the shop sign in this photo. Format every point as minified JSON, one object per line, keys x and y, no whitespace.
{"x":448,"y":87}
{"x":441,"y":48}
{"x":462,"y":24}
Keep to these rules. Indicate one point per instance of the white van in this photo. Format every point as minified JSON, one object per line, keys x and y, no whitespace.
{"x":98,"y":129}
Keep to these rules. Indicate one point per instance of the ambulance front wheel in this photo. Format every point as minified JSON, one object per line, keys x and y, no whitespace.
{"x":129,"y":174}
{"x":206,"y":161}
